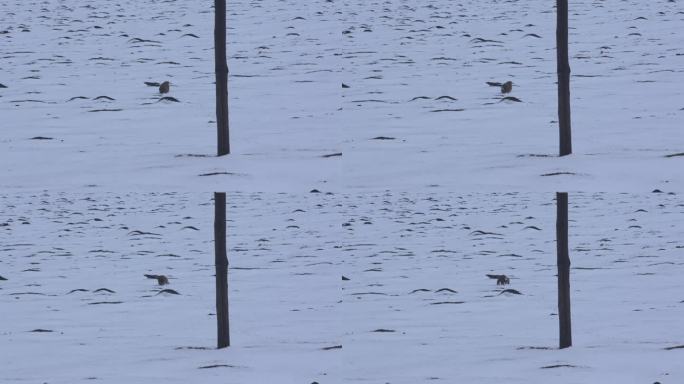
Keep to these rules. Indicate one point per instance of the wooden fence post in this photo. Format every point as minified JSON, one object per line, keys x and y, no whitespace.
{"x":563,"y":261}
{"x":221,"y":262}
{"x":221,"y":69}
{"x":563,"y":65}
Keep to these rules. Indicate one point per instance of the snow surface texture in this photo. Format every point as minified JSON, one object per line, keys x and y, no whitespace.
{"x":414,"y":305}
{"x":414,"y":100}
{"x":417,"y":72}
{"x":58,"y":58}
{"x":59,"y":250}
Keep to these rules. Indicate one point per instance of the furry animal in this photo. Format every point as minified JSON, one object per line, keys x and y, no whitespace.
{"x":161,"y":279}
{"x":164,"y":87}
{"x":507,"y":87}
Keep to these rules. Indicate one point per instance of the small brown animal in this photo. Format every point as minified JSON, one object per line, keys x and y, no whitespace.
{"x":161,"y":279}
{"x":164,"y":87}
{"x":507,"y":87}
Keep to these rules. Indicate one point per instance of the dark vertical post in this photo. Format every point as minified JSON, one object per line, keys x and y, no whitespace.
{"x":221,"y":261}
{"x":221,"y":68}
{"x":563,"y":77}
{"x":563,"y":261}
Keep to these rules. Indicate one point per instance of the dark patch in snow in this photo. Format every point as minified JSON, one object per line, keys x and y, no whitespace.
{"x":32,"y":101}
{"x":534,"y":348}
{"x":139,"y":40}
{"x":193,"y":155}
{"x":106,"y":110}
{"x":331,"y":348}
{"x":558,"y":366}
{"x":77,"y":290}
{"x":137,"y":232}
{"x":510,"y":290}
{"x":169,"y":98}
{"x":338,"y":154}
{"x":675,"y":347}
{"x":216,"y":173}
{"x":192,"y":348}
{"x":481,"y":40}
{"x":170,"y":291}
{"x":535,"y":155}
{"x":368,"y":293}
{"x":511,"y":98}
{"x":448,"y":110}
{"x":419,"y":290}
{"x":479,"y":232}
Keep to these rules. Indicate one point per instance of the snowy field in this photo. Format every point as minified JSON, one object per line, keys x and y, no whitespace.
{"x":342,"y":96}
{"x":414,"y":304}
{"x":62,"y":254}
{"x":58,"y":58}
{"x":403,"y":326}
{"x":417,"y":74}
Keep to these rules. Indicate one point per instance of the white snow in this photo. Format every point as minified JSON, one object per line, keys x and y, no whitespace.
{"x":287,"y":62}
{"x":283,"y":282}
{"x":627,"y":303}
{"x":288,"y":302}
{"x":426,"y":180}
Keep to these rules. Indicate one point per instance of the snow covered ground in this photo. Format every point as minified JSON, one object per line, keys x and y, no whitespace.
{"x":294,"y":320}
{"x":366,"y":144}
{"x":58,"y":58}
{"x":59,"y":251}
{"x":390,"y":127}
{"x":417,"y":73}
{"x":403,"y":326}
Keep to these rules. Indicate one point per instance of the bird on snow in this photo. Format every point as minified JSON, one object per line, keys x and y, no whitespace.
{"x":500,"y":279}
{"x":161,"y":279}
{"x":164,"y":87}
{"x":507,"y":87}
